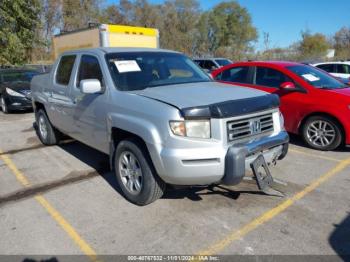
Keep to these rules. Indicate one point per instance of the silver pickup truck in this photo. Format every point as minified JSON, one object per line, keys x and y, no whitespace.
{"x":160,"y":119}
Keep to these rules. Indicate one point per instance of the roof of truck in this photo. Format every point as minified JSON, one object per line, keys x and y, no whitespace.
{"x":120,"y":50}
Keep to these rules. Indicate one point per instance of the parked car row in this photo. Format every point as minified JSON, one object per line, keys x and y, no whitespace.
{"x":312,"y":102}
{"x":162,"y":120}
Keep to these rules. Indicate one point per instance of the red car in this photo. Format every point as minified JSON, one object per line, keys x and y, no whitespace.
{"x":314,"y":104}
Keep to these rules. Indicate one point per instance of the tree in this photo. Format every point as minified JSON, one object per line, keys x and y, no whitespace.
{"x":50,"y":18}
{"x":342,"y":43}
{"x":145,"y":14}
{"x":178,"y":25}
{"x":229,"y":30}
{"x":313,"y":46}
{"x":18,"y":22}
{"x":77,"y":14}
{"x":202,"y":37}
{"x":112,"y":15}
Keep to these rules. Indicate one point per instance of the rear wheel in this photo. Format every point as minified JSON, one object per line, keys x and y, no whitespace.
{"x":4,"y":107}
{"x":135,"y":173}
{"x":47,"y":134}
{"x":322,"y":133}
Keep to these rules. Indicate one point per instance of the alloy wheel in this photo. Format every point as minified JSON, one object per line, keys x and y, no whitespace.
{"x":3,"y":105}
{"x":130,"y":172}
{"x":321,"y":133}
{"x":42,"y":127}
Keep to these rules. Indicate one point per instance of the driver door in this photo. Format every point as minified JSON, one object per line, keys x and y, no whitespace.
{"x":269,"y":80}
{"x":88,"y":111}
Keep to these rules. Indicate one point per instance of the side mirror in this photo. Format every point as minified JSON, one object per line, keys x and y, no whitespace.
{"x":90,"y":86}
{"x":287,"y":85}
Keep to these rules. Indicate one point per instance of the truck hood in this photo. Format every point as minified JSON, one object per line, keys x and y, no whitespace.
{"x":198,"y":94}
{"x":211,"y":99}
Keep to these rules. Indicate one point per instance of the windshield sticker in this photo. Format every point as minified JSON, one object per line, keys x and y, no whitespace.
{"x":311,"y":77}
{"x":127,"y":66}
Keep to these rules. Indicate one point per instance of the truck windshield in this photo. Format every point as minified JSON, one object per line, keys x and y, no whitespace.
{"x":139,"y":70}
{"x":316,"y":77}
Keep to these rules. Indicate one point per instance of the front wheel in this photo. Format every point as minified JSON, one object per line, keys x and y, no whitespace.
{"x":4,"y":107}
{"x":322,"y":133}
{"x":47,"y":134}
{"x":135,"y":173}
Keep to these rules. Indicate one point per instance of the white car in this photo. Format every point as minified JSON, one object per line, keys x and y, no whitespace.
{"x":337,"y":69}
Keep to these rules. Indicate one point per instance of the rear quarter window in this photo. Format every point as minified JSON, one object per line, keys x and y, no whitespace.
{"x":64,"y":69}
{"x":343,"y":69}
{"x":235,"y":74}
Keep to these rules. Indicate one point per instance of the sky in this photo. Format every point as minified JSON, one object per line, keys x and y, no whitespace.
{"x":285,"y":19}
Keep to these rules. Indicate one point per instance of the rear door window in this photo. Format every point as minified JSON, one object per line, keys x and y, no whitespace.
{"x":64,"y":69}
{"x":235,"y":74}
{"x":330,"y":68}
{"x":89,"y":69}
{"x":270,"y":77}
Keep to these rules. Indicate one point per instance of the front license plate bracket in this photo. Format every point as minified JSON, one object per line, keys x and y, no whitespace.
{"x":261,"y":173}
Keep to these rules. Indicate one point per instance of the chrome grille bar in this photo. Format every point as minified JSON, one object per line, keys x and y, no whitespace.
{"x":248,"y":127}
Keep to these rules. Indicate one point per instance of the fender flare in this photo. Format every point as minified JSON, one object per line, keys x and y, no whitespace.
{"x":139,"y":127}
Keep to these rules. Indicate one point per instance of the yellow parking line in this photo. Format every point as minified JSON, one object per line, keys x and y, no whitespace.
{"x":314,"y":155}
{"x":222,"y":244}
{"x":61,"y":221}
{"x":20,"y":177}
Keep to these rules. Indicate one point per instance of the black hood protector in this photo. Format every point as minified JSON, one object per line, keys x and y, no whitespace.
{"x":232,"y":108}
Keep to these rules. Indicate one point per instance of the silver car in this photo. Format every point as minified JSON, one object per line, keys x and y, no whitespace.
{"x":159,"y":117}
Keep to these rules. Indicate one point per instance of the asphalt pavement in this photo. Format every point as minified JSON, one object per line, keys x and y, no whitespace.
{"x":63,"y":200}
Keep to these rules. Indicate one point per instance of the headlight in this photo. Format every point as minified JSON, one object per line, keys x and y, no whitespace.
{"x":191,"y":128}
{"x":281,"y":121}
{"x":13,"y":93}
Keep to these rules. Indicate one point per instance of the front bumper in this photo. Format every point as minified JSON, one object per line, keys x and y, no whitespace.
{"x":222,"y":165}
{"x":239,"y":158}
{"x":18,"y":103}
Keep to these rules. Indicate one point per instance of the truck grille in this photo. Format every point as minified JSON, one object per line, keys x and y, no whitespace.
{"x":244,"y":128}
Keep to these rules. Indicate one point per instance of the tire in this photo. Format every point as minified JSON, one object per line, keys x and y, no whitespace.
{"x":47,"y":134}
{"x":135,"y":173}
{"x":4,"y":106}
{"x":322,"y":133}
